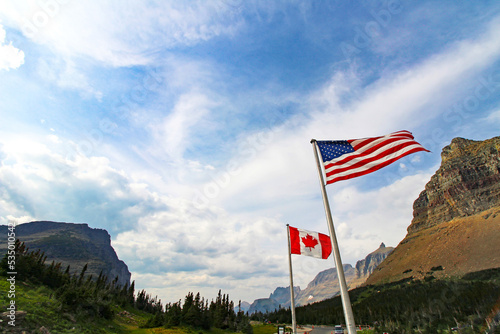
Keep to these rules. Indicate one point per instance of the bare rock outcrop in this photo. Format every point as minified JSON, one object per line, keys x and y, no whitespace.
{"x":467,"y":183}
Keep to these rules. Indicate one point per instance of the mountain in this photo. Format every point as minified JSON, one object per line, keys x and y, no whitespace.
{"x":456,"y":220}
{"x":263,"y":305}
{"x":325,"y":285}
{"x":365,"y":267}
{"x":282,"y":295}
{"x":245,"y":306}
{"x":74,"y":245}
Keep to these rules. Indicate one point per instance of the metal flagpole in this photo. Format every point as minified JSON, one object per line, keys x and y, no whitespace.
{"x":292,"y":294}
{"x":346,"y":302}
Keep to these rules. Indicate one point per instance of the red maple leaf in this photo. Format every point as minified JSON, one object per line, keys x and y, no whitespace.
{"x":309,"y":241}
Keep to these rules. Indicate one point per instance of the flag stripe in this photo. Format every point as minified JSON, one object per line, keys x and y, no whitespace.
{"x":326,"y":245}
{"x":365,"y":155}
{"x":294,"y":240}
{"x":386,"y":152}
{"x":379,"y":148}
{"x":359,"y":143}
{"x":353,"y":174}
{"x":370,"y":164}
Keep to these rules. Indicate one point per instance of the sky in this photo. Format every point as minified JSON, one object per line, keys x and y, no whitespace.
{"x":183,"y":128}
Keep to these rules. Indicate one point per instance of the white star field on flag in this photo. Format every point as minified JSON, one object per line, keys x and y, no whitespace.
{"x":334,"y":149}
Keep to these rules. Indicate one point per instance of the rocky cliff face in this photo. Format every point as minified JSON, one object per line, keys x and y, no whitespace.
{"x":282,"y":295}
{"x":365,"y":267}
{"x":467,"y":183}
{"x":456,"y":219}
{"x":74,"y":245}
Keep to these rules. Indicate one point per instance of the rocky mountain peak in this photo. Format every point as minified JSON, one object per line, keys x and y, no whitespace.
{"x":457,"y":148}
{"x":466,"y":183}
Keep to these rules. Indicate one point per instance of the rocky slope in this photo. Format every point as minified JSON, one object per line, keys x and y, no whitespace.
{"x":325,"y":285}
{"x":74,"y":245}
{"x":467,"y":183}
{"x":456,"y":219}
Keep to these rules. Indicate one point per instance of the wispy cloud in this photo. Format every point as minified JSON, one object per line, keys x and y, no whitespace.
{"x":120,"y":33}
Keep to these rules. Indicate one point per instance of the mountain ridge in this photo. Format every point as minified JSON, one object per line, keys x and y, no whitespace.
{"x":73,"y":244}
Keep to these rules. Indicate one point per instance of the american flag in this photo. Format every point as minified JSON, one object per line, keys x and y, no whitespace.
{"x":346,"y":159}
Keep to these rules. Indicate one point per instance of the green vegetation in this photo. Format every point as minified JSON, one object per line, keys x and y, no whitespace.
{"x":264,"y":329}
{"x":196,"y":312}
{"x":48,"y":296}
{"x":41,"y":308}
{"x":408,"y":306}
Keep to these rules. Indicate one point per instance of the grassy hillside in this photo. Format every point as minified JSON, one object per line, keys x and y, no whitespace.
{"x":38,"y":307}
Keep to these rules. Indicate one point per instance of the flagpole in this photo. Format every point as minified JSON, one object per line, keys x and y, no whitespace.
{"x":346,"y":302}
{"x":292,"y":293}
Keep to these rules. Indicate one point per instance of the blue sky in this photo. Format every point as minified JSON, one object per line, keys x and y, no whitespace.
{"x":184,"y":128}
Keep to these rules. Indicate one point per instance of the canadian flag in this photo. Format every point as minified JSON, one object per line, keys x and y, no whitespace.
{"x":309,"y":243}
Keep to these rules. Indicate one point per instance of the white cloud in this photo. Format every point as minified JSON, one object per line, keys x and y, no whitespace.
{"x":10,"y":56}
{"x":75,"y":187}
{"x":191,"y":112}
{"x":494,"y":116}
{"x":119,"y":33}
{"x":66,"y":75}
{"x":198,"y":249}
{"x":380,"y":215}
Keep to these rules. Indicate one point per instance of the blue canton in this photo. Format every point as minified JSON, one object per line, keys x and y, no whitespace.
{"x":334,"y":149}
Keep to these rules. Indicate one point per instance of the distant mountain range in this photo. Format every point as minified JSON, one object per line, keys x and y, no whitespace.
{"x":74,"y":245}
{"x":325,"y":285}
